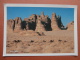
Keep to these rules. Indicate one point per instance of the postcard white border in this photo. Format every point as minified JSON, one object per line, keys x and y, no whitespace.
{"x":42,"y":54}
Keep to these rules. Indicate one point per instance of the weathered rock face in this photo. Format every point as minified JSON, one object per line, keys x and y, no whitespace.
{"x":30,"y":22}
{"x":46,"y":21}
{"x":25,"y":25}
{"x":42,"y":17}
{"x":39,"y":26}
{"x":10,"y":24}
{"x":18,"y":22}
{"x":60,"y":25}
{"x":54,"y":23}
{"x":38,"y":23}
{"x":70,"y":26}
{"x":26,"y":19}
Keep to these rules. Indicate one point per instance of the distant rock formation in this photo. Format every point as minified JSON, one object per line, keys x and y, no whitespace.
{"x":10,"y":25}
{"x":70,"y":26}
{"x":38,"y":23}
{"x":46,"y":21}
{"x":30,"y":22}
{"x":18,"y":22}
{"x":54,"y":22}
{"x":59,"y":22}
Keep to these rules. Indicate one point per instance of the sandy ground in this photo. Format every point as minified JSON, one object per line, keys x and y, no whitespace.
{"x":53,"y":42}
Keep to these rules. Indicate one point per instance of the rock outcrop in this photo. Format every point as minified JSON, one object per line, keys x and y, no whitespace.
{"x":39,"y":25}
{"x":10,"y":24}
{"x":54,"y":23}
{"x":18,"y":22}
{"x":46,"y":21}
{"x":30,"y":22}
{"x":59,"y":22}
{"x":70,"y":26}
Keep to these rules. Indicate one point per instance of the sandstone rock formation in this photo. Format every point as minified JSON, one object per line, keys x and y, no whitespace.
{"x":10,"y":25}
{"x":70,"y":26}
{"x":18,"y":22}
{"x":54,"y":23}
{"x":30,"y":22}
{"x":42,"y":16}
{"x":46,"y":21}
{"x":60,"y":25}
{"x":39,"y":25}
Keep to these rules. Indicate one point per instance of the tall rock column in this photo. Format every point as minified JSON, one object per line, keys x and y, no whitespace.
{"x":39,"y":26}
{"x":18,"y":22}
{"x":54,"y":24}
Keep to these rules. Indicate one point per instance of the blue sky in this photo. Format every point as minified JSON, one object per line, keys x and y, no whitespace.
{"x":67,"y":14}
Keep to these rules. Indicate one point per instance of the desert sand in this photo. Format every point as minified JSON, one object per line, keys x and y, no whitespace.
{"x":54,"y":42}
